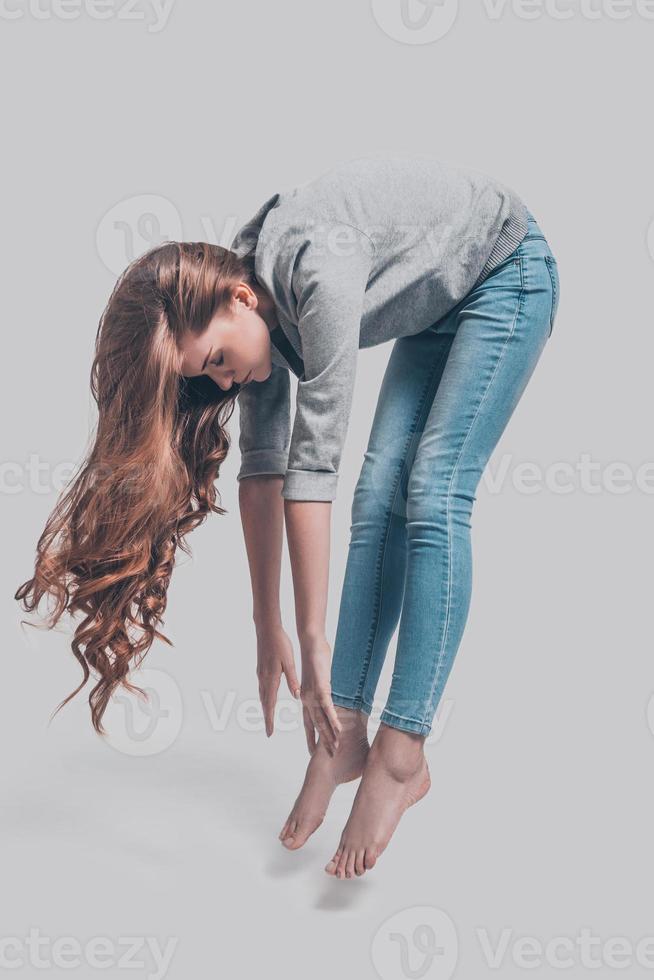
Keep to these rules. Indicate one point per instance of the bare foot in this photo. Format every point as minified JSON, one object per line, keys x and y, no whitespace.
{"x":324,"y":773}
{"x":396,"y":776}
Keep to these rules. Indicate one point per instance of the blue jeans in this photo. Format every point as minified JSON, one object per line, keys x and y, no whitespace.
{"x":446,"y":397}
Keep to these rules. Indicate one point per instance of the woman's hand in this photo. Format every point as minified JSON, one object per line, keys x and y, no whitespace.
{"x":274,"y":658}
{"x":318,"y":709}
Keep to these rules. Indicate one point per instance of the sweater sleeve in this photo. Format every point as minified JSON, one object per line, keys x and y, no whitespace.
{"x":264,"y":424}
{"x":329,"y":286}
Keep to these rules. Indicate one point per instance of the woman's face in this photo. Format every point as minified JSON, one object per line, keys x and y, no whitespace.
{"x":235,"y":346}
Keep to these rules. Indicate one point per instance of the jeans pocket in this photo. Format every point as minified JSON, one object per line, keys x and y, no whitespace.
{"x":554,"y":276}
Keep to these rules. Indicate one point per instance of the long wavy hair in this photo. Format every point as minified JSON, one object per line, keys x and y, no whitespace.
{"x":108,"y":547}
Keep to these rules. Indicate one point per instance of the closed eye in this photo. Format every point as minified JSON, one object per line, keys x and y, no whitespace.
{"x":219,"y":362}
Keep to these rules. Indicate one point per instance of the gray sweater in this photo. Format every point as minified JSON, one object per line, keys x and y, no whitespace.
{"x":376,"y":248}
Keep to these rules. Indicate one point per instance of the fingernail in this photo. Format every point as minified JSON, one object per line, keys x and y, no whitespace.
{"x":296,"y":694}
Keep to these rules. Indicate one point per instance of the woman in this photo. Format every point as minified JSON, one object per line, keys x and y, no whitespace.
{"x":449,"y":264}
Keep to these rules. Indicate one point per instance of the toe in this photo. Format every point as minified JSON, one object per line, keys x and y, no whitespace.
{"x":284,"y":830}
{"x":289,"y":832}
{"x":340,"y":870}
{"x":349,"y":866}
{"x":359,"y":866}
{"x":370,"y":858}
{"x":330,"y":868}
{"x":303,"y":831}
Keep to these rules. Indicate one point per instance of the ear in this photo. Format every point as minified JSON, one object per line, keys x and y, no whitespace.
{"x":243,"y":296}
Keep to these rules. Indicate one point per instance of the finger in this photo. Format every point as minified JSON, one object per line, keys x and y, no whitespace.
{"x":330,"y":711}
{"x":321,"y":723}
{"x":268,"y":695}
{"x":268,"y":706}
{"x":308,"y":728}
{"x":291,"y":678}
{"x":318,"y":718}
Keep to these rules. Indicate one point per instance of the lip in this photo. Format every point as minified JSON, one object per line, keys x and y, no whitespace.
{"x":246,"y":378}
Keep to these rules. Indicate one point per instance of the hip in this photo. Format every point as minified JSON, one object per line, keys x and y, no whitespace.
{"x":526,"y":282}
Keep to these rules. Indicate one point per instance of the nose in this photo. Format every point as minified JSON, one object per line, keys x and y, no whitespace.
{"x":226,"y":383}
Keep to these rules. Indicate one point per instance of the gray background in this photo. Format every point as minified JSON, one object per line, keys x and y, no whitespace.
{"x":539,"y":820}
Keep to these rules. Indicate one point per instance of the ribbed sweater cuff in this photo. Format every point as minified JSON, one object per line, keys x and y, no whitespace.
{"x":513,"y":231}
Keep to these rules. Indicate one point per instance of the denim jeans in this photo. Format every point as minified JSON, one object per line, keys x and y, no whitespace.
{"x":445,"y":400}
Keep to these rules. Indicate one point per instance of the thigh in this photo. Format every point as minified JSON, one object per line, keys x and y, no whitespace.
{"x":501,"y":328}
{"x":411,"y":377}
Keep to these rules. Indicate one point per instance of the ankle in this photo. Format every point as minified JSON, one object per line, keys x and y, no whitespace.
{"x":354,"y":723}
{"x":400,"y":753}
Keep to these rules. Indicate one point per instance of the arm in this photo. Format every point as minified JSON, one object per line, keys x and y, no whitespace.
{"x":308,"y":525}
{"x":264,"y":421}
{"x":262,"y":515}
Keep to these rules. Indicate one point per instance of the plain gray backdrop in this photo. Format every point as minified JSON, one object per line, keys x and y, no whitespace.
{"x":124,"y":125}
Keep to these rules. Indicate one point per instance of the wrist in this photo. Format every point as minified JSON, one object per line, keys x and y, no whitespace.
{"x":267,"y":620}
{"x":313,"y":643}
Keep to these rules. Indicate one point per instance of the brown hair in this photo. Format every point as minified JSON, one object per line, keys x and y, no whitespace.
{"x":108,"y":547}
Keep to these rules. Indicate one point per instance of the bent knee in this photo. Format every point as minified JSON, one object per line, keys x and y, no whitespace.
{"x":433,"y":502}
{"x":380,"y":491}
